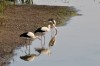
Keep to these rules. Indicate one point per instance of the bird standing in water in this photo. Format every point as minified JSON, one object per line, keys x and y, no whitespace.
{"x":53,"y":26}
{"x":52,"y":21}
{"x":29,"y":35}
{"x":42,"y":30}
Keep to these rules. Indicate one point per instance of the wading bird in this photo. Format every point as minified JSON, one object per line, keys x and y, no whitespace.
{"x":42,"y":30}
{"x":52,"y":22}
{"x":29,"y":35}
{"x":53,"y":26}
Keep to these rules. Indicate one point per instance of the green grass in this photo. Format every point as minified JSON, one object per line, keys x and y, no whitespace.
{"x":3,"y":5}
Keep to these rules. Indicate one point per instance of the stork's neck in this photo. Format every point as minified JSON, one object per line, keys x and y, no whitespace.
{"x":49,"y":27}
{"x":34,"y":37}
{"x":54,"y":22}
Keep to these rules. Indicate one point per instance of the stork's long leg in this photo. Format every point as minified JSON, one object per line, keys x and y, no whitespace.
{"x":44,"y":40}
{"x":25,"y":41}
{"x":26,"y":48}
{"x":29,"y":49}
{"x":51,"y":32}
{"x":41,"y":42}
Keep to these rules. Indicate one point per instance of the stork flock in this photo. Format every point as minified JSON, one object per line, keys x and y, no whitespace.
{"x":33,"y":35}
{"x":42,"y":30}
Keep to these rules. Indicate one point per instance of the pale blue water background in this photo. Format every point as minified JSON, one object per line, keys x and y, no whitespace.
{"x":78,"y":43}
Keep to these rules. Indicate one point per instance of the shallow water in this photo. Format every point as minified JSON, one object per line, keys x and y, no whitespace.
{"x":78,"y":43}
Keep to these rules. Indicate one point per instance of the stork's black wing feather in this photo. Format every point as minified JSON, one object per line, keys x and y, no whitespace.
{"x":24,"y":35}
{"x":39,"y":30}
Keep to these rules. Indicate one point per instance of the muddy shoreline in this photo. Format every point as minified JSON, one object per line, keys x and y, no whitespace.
{"x":23,"y":18}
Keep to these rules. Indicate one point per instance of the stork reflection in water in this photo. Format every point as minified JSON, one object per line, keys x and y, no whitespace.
{"x":29,"y":57}
{"x":53,"y":39}
{"x":43,"y":50}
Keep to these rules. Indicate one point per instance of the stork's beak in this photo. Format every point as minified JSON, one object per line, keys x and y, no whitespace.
{"x":38,"y":37}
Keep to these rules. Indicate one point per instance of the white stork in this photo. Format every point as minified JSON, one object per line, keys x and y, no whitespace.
{"x":42,"y":30}
{"x":29,"y":35}
{"x":53,"y":25}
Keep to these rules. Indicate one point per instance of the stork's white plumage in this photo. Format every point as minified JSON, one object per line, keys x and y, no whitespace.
{"x":29,"y":35}
{"x":52,"y":21}
{"x":46,"y":29}
{"x":53,"y":26}
{"x":43,"y":29}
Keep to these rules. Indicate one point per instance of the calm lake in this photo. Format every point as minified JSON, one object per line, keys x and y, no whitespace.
{"x":78,"y":42}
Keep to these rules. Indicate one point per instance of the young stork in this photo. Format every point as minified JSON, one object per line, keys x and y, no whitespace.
{"x":53,"y":25}
{"x":42,"y":30}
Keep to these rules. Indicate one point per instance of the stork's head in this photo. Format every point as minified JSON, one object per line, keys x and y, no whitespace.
{"x":52,"y":22}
